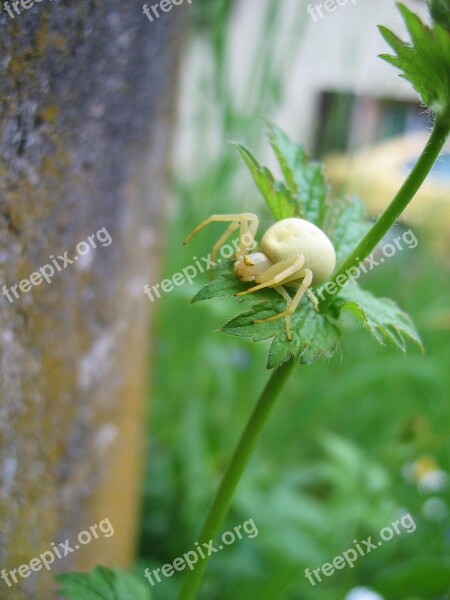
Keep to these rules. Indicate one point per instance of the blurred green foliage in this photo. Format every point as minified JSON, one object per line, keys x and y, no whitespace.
{"x":333,"y":465}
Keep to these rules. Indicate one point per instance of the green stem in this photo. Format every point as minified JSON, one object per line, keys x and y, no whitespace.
{"x":401,"y":200}
{"x":239,"y":461}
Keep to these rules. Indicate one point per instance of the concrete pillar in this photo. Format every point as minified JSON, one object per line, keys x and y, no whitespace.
{"x":87,"y":92}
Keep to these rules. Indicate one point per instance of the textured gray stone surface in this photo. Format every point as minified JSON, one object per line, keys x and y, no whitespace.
{"x":86,"y":92}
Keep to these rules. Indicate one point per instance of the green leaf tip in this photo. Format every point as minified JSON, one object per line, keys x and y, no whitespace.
{"x":303,"y":192}
{"x":425,"y":60}
{"x":277,"y":196}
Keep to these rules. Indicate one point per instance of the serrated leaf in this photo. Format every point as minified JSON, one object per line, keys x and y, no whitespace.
{"x":381,"y":316}
{"x":275,"y":193}
{"x":346,"y":224}
{"x":313,"y":335}
{"x":102,"y":583}
{"x":305,"y":179}
{"x":425,"y":62}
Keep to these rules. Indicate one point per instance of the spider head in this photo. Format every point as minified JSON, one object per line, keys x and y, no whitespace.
{"x":247,"y":267}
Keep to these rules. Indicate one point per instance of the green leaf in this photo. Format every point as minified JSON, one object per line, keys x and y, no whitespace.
{"x":440,"y":11}
{"x":381,"y":316}
{"x":288,"y":155}
{"x":425,"y":62}
{"x":305,"y":179}
{"x":223,"y":285}
{"x":275,"y":193}
{"x":305,"y":190}
{"x":346,"y":224}
{"x":313,"y":335}
{"x":102,"y":583}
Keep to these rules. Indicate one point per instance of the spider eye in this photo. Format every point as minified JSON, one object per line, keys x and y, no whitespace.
{"x":249,"y":262}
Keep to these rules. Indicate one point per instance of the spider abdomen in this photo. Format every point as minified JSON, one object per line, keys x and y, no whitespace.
{"x":292,"y":236}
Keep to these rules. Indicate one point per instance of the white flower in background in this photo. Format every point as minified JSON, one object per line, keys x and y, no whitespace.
{"x":363,"y":593}
{"x":433,"y":481}
{"x":426,"y":473}
{"x":435,"y":509}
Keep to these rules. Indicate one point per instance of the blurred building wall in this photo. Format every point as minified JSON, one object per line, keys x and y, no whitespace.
{"x":340,"y":52}
{"x":336,"y":53}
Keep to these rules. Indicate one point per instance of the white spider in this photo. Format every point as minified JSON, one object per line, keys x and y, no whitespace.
{"x":292,"y":252}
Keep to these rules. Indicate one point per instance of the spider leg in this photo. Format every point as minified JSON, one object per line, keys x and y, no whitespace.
{"x":243,"y":217}
{"x":248,"y":223}
{"x":288,"y":299}
{"x":307,"y":280}
{"x":313,"y":299}
{"x":278,"y":273}
{"x":223,"y":238}
{"x":246,"y":239}
{"x":282,"y":291}
{"x":247,"y":236}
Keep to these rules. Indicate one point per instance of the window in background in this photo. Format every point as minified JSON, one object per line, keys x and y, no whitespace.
{"x":347,"y":122}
